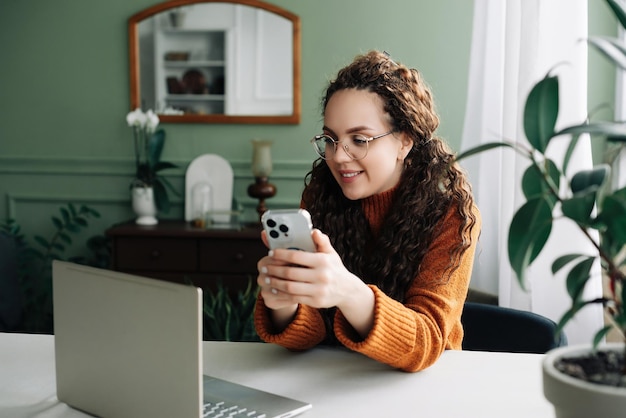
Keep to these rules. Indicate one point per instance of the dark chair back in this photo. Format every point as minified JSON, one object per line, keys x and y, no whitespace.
{"x":496,"y":328}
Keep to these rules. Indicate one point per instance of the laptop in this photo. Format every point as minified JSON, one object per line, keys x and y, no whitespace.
{"x":129,"y":346}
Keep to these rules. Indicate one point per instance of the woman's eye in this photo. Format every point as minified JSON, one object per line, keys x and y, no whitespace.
{"x":359,"y":140}
{"x":328,"y":140}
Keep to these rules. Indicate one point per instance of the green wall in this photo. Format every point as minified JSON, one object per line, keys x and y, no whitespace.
{"x":64,"y":96}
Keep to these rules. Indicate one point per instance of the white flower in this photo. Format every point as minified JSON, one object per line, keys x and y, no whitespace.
{"x":136,"y":118}
{"x":152,"y":121}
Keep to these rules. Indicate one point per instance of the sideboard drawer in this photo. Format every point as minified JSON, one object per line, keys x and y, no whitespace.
{"x":157,"y":254}
{"x":177,"y":251}
{"x":231,"y":256}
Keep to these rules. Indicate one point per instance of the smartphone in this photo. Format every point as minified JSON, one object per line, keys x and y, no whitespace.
{"x":288,"y":228}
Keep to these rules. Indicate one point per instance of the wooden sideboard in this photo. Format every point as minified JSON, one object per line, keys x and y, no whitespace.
{"x":178,"y":252}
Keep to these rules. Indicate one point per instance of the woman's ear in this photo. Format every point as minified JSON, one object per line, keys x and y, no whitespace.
{"x":407,"y":144}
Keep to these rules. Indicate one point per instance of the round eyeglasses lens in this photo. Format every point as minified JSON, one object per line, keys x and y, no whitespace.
{"x":323,"y":144}
{"x":358,"y":147}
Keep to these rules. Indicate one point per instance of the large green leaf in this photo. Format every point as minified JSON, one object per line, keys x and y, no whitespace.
{"x":530,"y":228}
{"x":599,"y":337}
{"x":540,"y":113}
{"x":618,"y":10}
{"x":570,"y":151}
{"x":579,"y":207}
{"x":161,"y":200}
{"x":155,"y":147}
{"x":603,"y":129}
{"x":568,"y":315}
{"x":162,"y":165}
{"x":563,"y":260}
{"x":578,"y":277}
{"x":534,"y":183}
{"x":612,"y":48}
{"x":482,"y":148}
{"x":613,"y":216}
{"x":585,"y":179}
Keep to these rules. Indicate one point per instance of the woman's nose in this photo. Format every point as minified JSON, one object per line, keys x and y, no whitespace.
{"x":341,"y":153}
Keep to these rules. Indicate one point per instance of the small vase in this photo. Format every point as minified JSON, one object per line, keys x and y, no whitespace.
{"x":177,"y":18}
{"x":144,"y":206}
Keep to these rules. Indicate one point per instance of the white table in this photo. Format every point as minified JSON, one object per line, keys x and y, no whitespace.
{"x":339,"y":383}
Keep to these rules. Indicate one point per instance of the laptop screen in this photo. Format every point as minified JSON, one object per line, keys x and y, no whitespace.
{"x":126,"y":346}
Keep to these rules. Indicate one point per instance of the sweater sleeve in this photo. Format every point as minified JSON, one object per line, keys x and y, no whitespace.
{"x":412,"y":336}
{"x":305,"y":331}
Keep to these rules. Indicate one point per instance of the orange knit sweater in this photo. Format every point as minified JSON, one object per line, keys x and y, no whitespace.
{"x":409,"y":336}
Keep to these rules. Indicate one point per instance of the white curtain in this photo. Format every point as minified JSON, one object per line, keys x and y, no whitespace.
{"x":514,"y":44}
{"x":620,"y":114}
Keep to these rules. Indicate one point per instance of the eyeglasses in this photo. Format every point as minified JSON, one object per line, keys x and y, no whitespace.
{"x":356,"y":146}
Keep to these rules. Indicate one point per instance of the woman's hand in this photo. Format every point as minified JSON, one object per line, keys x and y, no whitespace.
{"x":290,"y":277}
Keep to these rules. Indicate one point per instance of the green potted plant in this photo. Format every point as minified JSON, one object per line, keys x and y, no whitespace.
{"x":591,"y":201}
{"x":230,"y":317}
{"x":148,"y":184}
{"x":34,"y":262}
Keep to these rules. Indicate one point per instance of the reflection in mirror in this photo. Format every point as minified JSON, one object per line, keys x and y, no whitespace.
{"x":207,"y":61}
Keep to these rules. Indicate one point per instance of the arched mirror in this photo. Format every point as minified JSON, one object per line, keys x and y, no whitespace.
{"x":216,"y":61}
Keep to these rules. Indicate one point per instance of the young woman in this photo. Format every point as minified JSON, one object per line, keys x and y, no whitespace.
{"x":396,"y":228}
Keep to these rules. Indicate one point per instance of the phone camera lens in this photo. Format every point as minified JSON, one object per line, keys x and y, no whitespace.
{"x":271,"y":223}
{"x":283,"y":228}
{"x":274,"y":234}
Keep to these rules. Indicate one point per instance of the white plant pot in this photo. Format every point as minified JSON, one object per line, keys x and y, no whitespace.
{"x":144,"y":206}
{"x":575,"y":398}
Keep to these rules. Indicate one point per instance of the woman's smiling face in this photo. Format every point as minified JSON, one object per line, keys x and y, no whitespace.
{"x":350,"y":112}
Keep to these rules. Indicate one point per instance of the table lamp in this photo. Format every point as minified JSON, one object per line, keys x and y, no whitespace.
{"x":261,"y":169}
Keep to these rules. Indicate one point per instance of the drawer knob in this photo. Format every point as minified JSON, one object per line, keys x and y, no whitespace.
{"x":239,"y":256}
{"x":154,"y":254}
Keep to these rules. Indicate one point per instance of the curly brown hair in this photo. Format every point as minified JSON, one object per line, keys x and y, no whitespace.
{"x":430,"y":184}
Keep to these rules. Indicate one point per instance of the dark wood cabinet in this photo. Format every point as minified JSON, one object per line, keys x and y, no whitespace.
{"x":176,"y":251}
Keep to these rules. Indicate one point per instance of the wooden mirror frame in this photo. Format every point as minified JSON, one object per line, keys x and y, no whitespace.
{"x":135,"y":90}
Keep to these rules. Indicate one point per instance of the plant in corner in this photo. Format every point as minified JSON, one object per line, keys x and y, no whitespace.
{"x":591,"y":200}
{"x":34,"y":262}
{"x":149,"y":142}
{"x":227,"y":318}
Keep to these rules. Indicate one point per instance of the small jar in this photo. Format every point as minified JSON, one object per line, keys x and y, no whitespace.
{"x":201,"y":204}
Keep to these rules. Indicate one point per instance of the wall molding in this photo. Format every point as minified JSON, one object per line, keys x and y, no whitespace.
{"x":282,"y":170}
{"x":287,"y":175}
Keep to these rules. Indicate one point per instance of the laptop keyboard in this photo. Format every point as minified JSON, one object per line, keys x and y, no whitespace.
{"x":226,"y":410}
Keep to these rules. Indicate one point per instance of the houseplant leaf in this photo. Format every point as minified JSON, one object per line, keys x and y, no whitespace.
{"x":58,"y":224}
{"x":613,"y":217}
{"x":612,"y":48}
{"x":540,"y":113}
{"x":578,"y":276}
{"x":155,"y":147}
{"x":530,"y":228}
{"x":588,"y":178}
{"x":603,"y":129}
{"x":161,"y":199}
{"x":65,"y":237}
{"x":534,"y":185}
{"x":579,"y":207}
{"x":481,"y":148}
{"x":66,"y":214}
{"x":162,"y":165}
{"x":599,"y":337}
{"x":42,"y":241}
{"x":563,"y":260}
{"x":618,"y":11}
